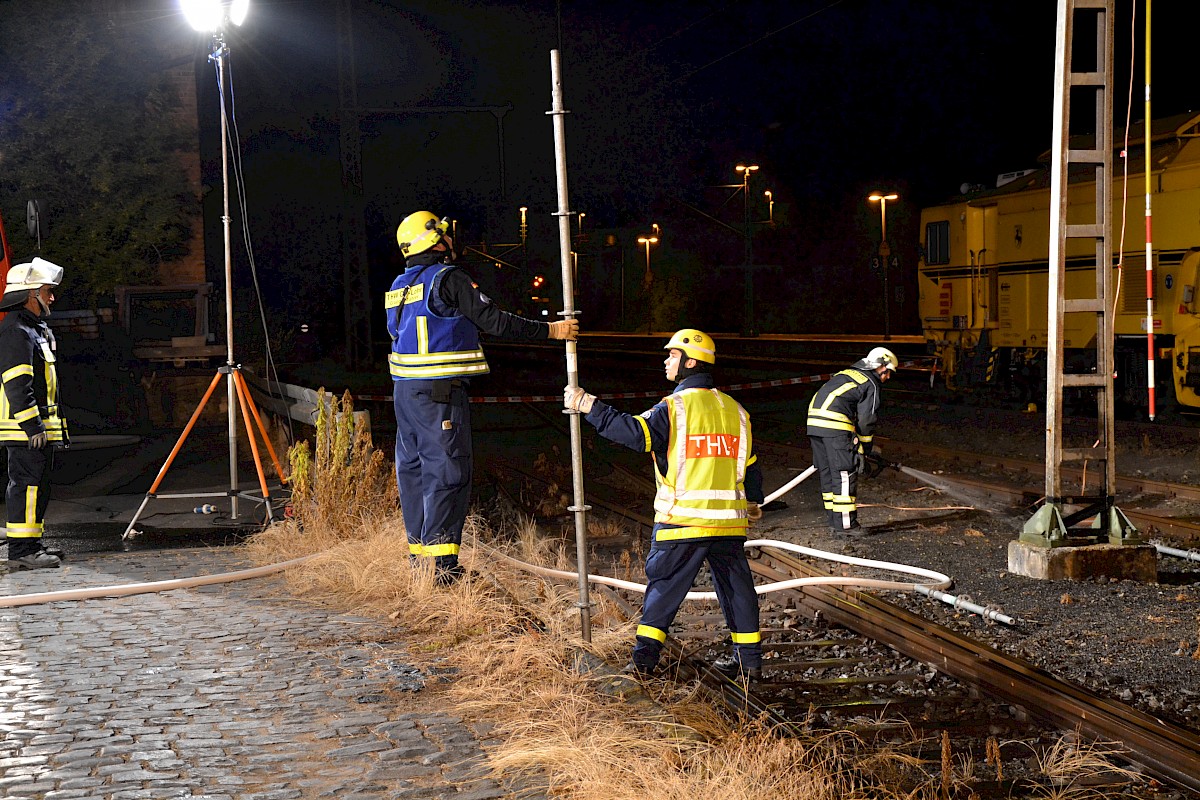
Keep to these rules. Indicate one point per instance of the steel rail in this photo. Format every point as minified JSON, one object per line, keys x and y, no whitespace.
{"x":1185,"y":529}
{"x":1169,"y":752}
{"x":1127,"y":483}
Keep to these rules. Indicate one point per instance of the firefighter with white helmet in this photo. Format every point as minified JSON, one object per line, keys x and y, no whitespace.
{"x":841,"y":426}
{"x":434,"y":315}
{"x":709,"y":489}
{"x":31,"y":423}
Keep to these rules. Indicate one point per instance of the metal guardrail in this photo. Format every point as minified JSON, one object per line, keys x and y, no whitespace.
{"x":298,"y":403}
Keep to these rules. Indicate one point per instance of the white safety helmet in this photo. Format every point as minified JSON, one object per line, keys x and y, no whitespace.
{"x":38,"y":272}
{"x":880,"y":357}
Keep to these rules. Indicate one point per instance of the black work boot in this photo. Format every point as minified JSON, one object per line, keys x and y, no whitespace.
{"x":637,"y":671}
{"x":39,"y":559}
{"x":449,"y":576}
{"x":733,"y":669}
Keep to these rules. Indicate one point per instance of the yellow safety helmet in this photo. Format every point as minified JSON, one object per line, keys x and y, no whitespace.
{"x":420,"y":231}
{"x":694,"y":344}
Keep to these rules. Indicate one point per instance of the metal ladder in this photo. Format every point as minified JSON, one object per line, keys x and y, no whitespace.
{"x":1051,"y":525}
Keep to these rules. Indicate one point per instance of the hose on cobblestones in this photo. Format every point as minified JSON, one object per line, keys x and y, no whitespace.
{"x":123,"y":590}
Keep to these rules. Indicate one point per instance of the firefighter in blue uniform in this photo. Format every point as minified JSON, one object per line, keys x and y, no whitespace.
{"x":434,"y":315}
{"x":841,"y":427}
{"x":709,"y":487}
{"x":31,"y":424}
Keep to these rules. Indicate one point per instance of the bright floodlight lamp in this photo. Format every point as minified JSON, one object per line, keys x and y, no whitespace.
{"x":875,"y":198}
{"x":212,"y":15}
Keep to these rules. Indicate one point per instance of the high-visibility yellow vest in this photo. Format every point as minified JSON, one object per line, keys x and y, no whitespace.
{"x":703,"y":489}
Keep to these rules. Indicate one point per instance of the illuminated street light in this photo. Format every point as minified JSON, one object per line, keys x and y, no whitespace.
{"x":884,"y":253}
{"x":524,"y":227}
{"x":748,"y":324}
{"x":648,"y":240}
{"x":582,"y":214}
{"x":770,"y":207}
{"x":648,"y":278}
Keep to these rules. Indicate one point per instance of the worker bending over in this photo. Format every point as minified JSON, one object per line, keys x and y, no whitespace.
{"x":709,"y":486}
{"x":841,"y":427}
{"x":434,"y":315}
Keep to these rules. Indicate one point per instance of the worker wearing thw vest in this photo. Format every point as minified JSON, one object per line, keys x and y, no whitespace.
{"x":709,"y":487}
{"x":31,"y":423}
{"x":841,"y":427}
{"x":434,"y":315}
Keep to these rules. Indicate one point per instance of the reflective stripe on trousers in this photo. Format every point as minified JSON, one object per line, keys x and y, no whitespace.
{"x":671,"y":570}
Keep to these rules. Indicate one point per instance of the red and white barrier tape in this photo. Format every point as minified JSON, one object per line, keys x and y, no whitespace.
{"x":557,"y":398}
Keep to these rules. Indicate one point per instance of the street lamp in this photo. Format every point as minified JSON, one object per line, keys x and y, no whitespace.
{"x":524,"y":227}
{"x":770,"y":207}
{"x":648,"y":278}
{"x":582,"y":214}
{"x":884,"y":253}
{"x":745,"y":170}
{"x":647,"y":240}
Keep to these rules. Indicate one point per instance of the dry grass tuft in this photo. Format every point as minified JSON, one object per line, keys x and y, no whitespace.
{"x":1078,"y":770}
{"x":569,"y":728}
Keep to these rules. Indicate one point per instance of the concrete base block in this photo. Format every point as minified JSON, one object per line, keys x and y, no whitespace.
{"x":1133,"y":563}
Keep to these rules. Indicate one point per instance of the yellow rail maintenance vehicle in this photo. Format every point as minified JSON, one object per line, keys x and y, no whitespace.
{"x":984,"y":273}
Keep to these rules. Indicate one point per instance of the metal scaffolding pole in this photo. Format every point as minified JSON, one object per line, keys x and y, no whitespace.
{"x":579,"y":508}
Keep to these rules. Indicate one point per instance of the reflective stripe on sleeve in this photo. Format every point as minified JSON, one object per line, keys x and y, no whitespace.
{"x":13,"y":372}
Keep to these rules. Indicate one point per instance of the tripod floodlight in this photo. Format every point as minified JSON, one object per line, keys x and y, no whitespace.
{"x":214,"y":16}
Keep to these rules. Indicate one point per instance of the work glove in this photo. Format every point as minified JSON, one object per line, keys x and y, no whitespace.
{"x":37,"y":441}
{"x":753,"y":512}
{"x":565,"y":329}
{"x":577,"y":399}
{"x":860,"y":460}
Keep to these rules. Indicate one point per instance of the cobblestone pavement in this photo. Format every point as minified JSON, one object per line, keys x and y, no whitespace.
{"x":229,"y":692}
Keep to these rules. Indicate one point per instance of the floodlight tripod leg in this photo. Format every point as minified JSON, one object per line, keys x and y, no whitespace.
{"x":162,"y":472}
{"x":261,"y":428}
{"x":243,"y":400}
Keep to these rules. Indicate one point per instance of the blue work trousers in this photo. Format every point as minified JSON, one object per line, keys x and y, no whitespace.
{"x":433,"y":466}
{"x":671,"y":569}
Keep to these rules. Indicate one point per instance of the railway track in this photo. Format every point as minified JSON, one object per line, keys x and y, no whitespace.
{"x":849,"y":661}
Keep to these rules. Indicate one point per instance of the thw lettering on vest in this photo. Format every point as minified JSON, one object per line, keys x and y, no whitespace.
{"x":712,"y":445}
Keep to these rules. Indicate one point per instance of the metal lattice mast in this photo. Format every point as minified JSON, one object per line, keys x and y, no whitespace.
{"x":1090,"y":149}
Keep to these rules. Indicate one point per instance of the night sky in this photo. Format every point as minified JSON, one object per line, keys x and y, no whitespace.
{"x":831,"y":99}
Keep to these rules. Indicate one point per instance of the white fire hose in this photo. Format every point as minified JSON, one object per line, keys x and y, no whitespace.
{"x":932,"y":587}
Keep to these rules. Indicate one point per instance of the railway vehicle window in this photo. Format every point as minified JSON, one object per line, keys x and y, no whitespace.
{"x":937,"y":242}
